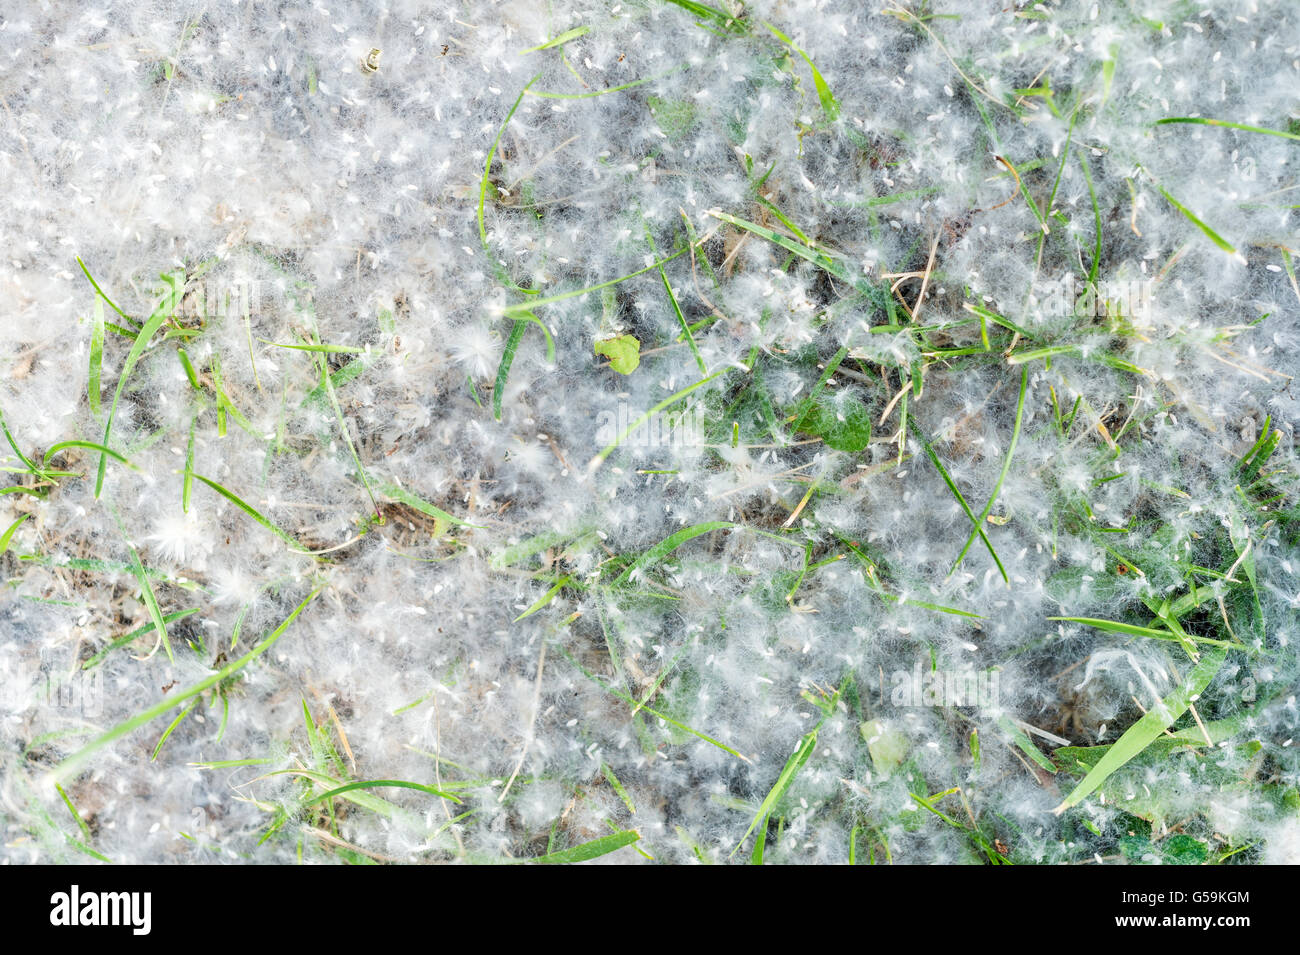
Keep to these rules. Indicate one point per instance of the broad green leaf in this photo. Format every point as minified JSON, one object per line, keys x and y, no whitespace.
{"x":623,"y":352}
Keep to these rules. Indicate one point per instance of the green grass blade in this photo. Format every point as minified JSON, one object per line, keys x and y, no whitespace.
{"x":487,"y":165}
{"x":507,"y":359}
{"x":27,"y":462}
{"x":318,"y":347}
{"x":1191,"y":217}
{"x":1114,"y":626}
{"x":952,"y":486}
{"x":885,"y":200}
{"x":1006,"y":467}
{"x":168,"y":731}
{"x":1025,"y":744}
{"x":111,"y":304}
{"x":560,"y":40}
{"x":1145,"y":731}
{"x":517,"y":330}
{"x":1201,"y":121}
{"x":93,"y":386}
{"x":251,"y":512}
{"x":90,"y":445}
{"x":420,"y":504}
{"x":667,"y":546}
{"x":541,"y":601}
{"x":706,"y":12}
{"x":788,"y":773}
{"x":73,"y":763}
{"x":81,"y":823}
{"x":823,"y":260}
{"x":824,"y":95}
{"x":164,"y":310}
{"x":677,"y":308}
{"x":135,"y":635}
{"x":379,"y":784}
{"x":8,"y":535}
{"x":589,"y":850}
{"x":187,"y":479}
{"x":150,"y":600}
{"x":520,"y":309}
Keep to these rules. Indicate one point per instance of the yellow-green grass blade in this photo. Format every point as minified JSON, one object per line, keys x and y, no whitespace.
{"x":1145,"y":731}
{"x":70,"y":766}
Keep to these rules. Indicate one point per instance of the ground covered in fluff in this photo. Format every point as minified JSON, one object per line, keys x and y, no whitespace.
{"x":804,"y":431}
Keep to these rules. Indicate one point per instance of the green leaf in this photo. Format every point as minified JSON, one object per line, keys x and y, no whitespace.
{"x":93,"y":390}
{"x":848,"y":430}
{"x":674,"y":117}
{"x":623,"y":352}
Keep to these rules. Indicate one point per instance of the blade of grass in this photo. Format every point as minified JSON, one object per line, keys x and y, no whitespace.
{"x":947,"y":479}
{"x":588,"y":850}
{"x":1142,"y":733}
{"x":541,"y":601}
{"x":379,"y":784}
{"x":163,"y":311}
{"x":1201,"y":121}
{"x":1115,"y":626}
{"x":824,"y":95}
{"x":483,"y":187}
{"x":8,"y":535}
{"x":150,"y":600}
{"x":132,"y":331}
{"x":251,"y":512}
{"x":560,"y":40}
{"x":667,"y":546}
{"x":168,"y":731}
{"x":93,"y":388}
{"x":69,"y":766}
{"x":1025,"y":744}
{"x":672,"y":299}
{"x":508,"y":353}
{"x":706,"y":12}
{"x":420,"y":504}
{"x":520,"y":309}
{"x":507,"y":359}
{"x":135,"y":635}
{"x":90,"y":445}
{"x":783,"y":781}
{"x":1191,"y":217}
{"x":322,"y":347}
{"x":1006,"y":467}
